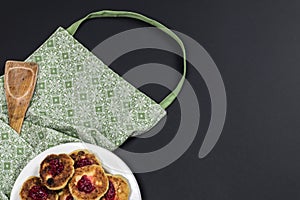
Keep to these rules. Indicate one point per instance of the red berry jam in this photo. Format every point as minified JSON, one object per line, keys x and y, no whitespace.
{"x":85,"y":185}
{"x":69,"y":198}
{"x":83,"y":162}
{"x":56,"y":167}
{"x":38,"y":193}
{"x":111,"y":193}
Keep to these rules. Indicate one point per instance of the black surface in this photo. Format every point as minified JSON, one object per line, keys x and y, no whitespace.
{"x":255,"y":45}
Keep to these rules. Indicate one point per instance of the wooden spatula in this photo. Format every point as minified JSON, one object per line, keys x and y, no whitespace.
{"x":19,"y":82}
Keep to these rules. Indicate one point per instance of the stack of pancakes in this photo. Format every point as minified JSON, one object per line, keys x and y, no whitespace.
{"x":78,"y":176}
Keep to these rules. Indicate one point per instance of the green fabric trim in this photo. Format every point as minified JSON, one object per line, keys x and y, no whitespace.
{"x":167,"y":101}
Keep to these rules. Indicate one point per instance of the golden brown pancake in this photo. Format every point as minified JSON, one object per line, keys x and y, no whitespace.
{"x":33,"y":189}
{"x":89,"y":183}
{"x":56,"y":171}
{"x":65,"y":194}
{"x":83,"y":157}
{"x":118,"y":188}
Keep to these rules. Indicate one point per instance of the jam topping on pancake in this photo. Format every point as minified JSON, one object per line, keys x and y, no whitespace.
{"x":56,"y":167}
{"x":85,"y":185}
{"x":38,"y":192}
{"x":82,"y":162}
{"x":69,"y":197}
{"x":111,"y":193}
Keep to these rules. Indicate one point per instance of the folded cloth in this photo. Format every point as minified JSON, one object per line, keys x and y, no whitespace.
{"x":14,"y":152}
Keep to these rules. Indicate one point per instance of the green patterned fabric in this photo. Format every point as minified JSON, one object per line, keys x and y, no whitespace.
{"x":78,"y":95}
{"x":77,"y":98}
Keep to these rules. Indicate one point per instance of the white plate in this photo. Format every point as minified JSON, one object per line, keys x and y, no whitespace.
{"x":110,"y":162}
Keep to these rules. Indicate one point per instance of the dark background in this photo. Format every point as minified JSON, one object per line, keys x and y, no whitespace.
{"x":255,"y":45}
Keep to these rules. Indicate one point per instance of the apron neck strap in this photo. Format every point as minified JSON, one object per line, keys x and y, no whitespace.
{"x":167,"y":101}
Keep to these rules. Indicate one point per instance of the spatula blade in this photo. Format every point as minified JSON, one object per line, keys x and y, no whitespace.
{"x":19,"y":82}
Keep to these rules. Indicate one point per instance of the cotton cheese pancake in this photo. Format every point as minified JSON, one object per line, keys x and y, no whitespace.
{"x":83,"y":158}
{"x":65,"y":194}
{"x":118,"y":188}
{"x":56,"y":171}
{"x":33,"y":189}
{"x":89,"y":183}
